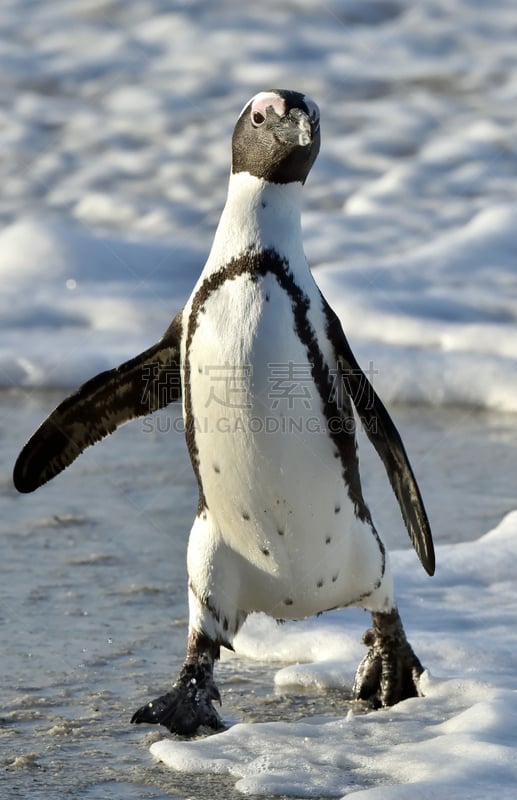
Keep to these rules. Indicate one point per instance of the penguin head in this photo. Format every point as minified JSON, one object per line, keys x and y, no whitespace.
{"x":277,"y":137}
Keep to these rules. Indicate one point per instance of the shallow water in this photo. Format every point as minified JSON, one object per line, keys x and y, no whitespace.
{"x":93,"y":590}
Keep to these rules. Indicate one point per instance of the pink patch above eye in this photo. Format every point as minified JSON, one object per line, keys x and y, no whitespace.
{"x":262,"y":101}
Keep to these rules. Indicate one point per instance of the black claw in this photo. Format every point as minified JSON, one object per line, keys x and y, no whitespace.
{"x":368,"y":678}
{"x":214,"y":693}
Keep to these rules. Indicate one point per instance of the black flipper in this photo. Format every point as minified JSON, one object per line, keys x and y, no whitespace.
{"x":138,"y":387}
{"x":384,"y":436}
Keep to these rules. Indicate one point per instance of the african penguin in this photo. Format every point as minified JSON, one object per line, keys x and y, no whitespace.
{"x":268,"y":383}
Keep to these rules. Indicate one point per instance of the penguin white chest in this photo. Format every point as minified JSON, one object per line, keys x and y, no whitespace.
{"x":276,"y":506}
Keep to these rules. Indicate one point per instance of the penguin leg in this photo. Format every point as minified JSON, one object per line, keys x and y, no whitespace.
{"x":390,"y":671}
{"x":188,"y":705}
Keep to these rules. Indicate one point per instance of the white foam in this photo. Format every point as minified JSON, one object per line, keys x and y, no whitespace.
{"x":74,"y":303}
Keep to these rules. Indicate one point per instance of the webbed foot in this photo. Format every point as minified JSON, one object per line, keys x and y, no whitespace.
{"x":183,"y":710}
{"x":390,"y":671}
{"x":188,"y":706}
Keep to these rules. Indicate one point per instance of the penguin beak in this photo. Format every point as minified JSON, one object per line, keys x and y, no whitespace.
{"x":304,"y":126}
{"x":296,"y":128}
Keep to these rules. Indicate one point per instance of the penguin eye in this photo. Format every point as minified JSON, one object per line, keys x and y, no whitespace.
{"x":257,"y":118}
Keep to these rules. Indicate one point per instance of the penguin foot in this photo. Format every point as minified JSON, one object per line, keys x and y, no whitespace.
{"x":390,"y":671}
{"x":188,"y":706}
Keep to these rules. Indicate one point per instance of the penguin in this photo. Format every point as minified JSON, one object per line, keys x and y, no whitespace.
{"x":272,"y":395}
